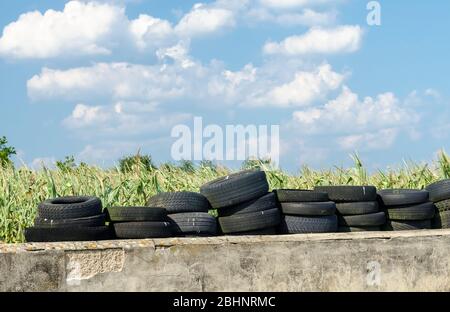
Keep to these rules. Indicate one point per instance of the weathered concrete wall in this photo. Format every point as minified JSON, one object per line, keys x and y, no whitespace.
{"x":384,"y":261}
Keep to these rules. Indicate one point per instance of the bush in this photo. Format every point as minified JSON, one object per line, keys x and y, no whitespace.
{"x":137,"y":161}
{"x":5,"y":152}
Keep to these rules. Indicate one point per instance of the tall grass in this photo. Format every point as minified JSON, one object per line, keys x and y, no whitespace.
{"x":22,"y":189}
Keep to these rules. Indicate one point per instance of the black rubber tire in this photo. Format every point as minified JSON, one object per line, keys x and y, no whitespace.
{"x":407,"y":225}
{"x":443,"y":205}
{"x":347,"y":193}
{"x":141,"y":230}
{"x":93,"y":221}
{"x":295,"y":196}
{"x":373,"y":219}
{"x":439,"y":191}
{"x":68,"y":234}
{"x":400,"y":197}
{"x":193,"y":223}
{"x":266,"y":202}
{"x":180,"y":202}
{"x":130,"y":214}
{"x":349,"y":229}
{"x":305,"y":225}
{"x":250,"y":221}
{"x":441,"y":220}
{"x":357,"y":208}
{"x":424,"y":211}
{"x":236,"y":188}
{"x":70,"y":207}
{"x":267,"y":231}
{"x":309,"y":209}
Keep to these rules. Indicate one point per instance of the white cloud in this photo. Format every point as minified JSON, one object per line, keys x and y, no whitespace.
{"x":202,"y":20}
{"x":122,"y":119}
{"x":304,"y":89}
{"x":117,"y":81}
{"x":289,"y":4}
{"x":150,"y":31}
{"x":306,"y":17}
{"x":373,"y":123}
{"x":273,"y":84}
{"x":348,"y":114}
{"x":178,"y":53}
{"x":81,"y":28}
{"x":342,"y":39}
{"x":382,"y":139}
{"x":97,"y":28}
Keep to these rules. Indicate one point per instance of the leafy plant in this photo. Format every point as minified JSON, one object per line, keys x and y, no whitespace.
{"x":5,"y":152}
{"x":136,"y":179}
{"x":136,"y":162}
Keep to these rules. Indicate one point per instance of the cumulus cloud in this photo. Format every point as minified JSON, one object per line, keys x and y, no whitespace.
{"x":123,"y":118}
{"x":270,"y":85}
{"x":342,"y":39}
{"x":122,"y":81}
{"x":304,"y":89}
{"x":379,"y":140}
{"x":372,"y":122}
{"x":305,"y":17}
{"x":289,"y":4}
{"x":148,"y":31}
{"x":93,"y":28}
{"x":202,"y":20}
{"x":81,"y":28}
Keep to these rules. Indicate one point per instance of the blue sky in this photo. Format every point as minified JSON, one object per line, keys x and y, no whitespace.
{"x":99,"y":80}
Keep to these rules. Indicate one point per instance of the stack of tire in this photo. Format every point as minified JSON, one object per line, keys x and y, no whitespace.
{"x":243,"y":203}
{"x":139,"y":222}
{"x":440,"y":195}
{"x":357,"y":207}
{"x":187,"y":213}
{"x":71,"y":218}
{"x":407,"y":210}
{"x":306,"y":212}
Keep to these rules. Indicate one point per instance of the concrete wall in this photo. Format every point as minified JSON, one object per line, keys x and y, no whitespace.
{"x":386,"y":261}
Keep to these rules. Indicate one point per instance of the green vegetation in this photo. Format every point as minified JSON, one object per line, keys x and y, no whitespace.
{"x":5,"y":152}
{"x":133,"y":182}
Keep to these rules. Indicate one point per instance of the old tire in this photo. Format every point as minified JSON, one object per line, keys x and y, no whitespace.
{"x":304,"y":225}
{"x":357,"y":208}
{"x":235,"y":188}
{"x":373,"y":219}
{"x":407,"y":225}
{"x":136,"y":230}
{"x":294,"y":196}
{"x":93,"y":221}
{"x":68,"y":234}
{"x":348,"y":229}
{"x":265,"y":202}
{"x":193,"y":223}
{"x":309,"y":209}
{"x":129,"y":214}
{"x":424,"y":211}
{"x":250,"y":221}
{"x":349,"y":193}
{"x":400,"y":197}
{"x":441,"y":220}
{"x":443,"y":205}
{"x":180,"y":202}
{"x":439,"y":191}
{"x":70,"y":207}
